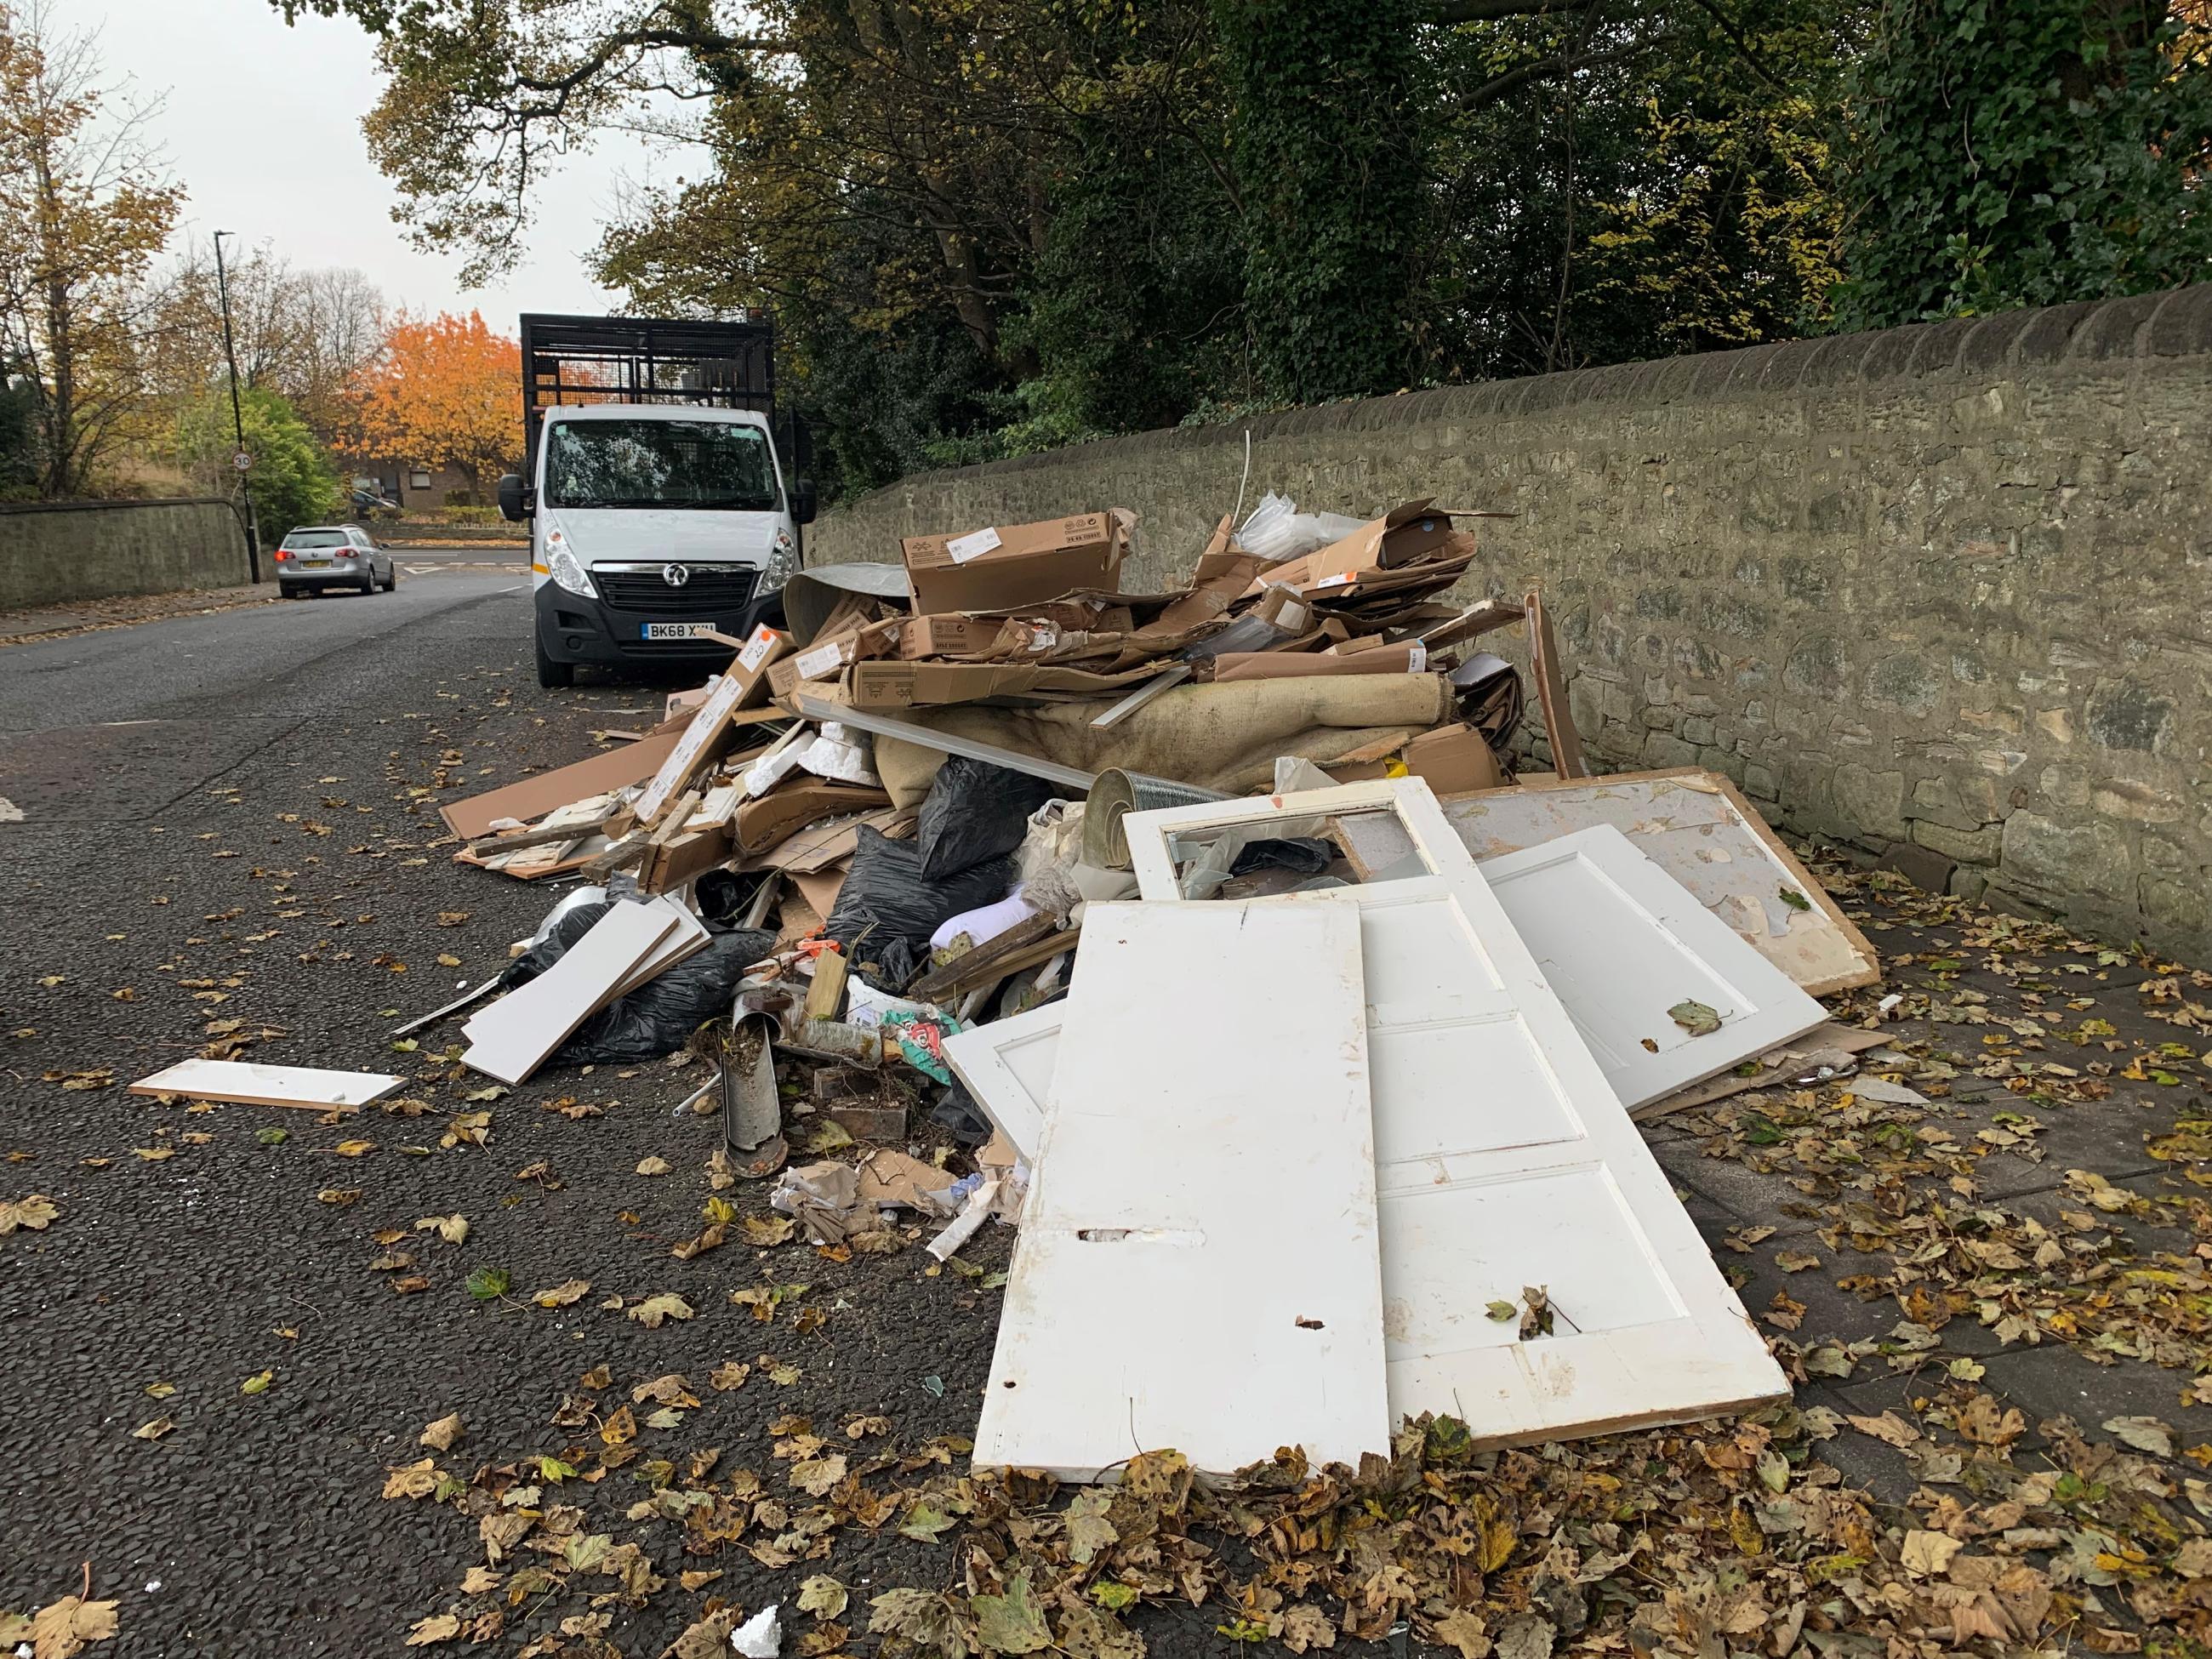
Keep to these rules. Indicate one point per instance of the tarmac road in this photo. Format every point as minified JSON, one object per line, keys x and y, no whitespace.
{"x":230,"y":816}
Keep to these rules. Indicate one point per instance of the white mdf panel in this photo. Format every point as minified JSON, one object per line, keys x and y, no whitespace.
{"x":1505,"y":1160}
{"x":1199,"y":1265}
{"x":247,"y":1083}
{"x":1622,"y":942}
{"x":511,"y":1039}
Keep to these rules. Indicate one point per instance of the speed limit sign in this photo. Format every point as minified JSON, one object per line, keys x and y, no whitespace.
{"x":241,"y":460}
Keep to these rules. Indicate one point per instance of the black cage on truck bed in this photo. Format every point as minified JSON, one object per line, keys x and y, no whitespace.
{"x":644,"y":360}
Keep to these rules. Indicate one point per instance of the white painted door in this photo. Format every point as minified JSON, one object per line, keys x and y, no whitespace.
{"x":1198,"y":1266}
{"x":1623,"y":943}
{"x":1505,"y":1162}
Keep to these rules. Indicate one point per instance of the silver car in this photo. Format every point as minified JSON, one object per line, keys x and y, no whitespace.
{"x":317,"y":556}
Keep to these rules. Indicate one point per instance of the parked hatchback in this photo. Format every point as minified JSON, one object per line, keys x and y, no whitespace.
{"x":317,"y":556}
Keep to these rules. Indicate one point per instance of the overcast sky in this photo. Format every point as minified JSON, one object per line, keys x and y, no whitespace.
{"x":262,"y":124}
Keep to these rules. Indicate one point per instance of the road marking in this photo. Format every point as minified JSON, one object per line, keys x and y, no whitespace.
{"x":9,"y":812}
{"x":516,"y":588}
{"x":418,"y":569}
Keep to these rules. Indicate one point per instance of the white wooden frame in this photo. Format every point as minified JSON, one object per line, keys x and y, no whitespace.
{"x":1504,"y":1160}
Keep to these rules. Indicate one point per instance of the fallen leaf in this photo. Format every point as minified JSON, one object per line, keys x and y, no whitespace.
{"x":154,"y":1154}
{"x":67,"y":1626}
{"x":818,"y":1475}
{"x":653,"y":1166}
{"x":437,"y":1627}
{"x":1012,"y":1623}
{"x":488,"y":1284}
{"x":729,"y":1375}
{"x":1795,"y":1262}
{"x":152,"y":1431}
{"x":257,"y":1383}
{"x":1889,"y":1427}
{"x":451,"y":1228}
{"x":33,"y":1212}
{"x":768,"y":1230}
{"x":2145,"y":1434}
{"x":441,"y":1434}
{"x":1695,"y":1018}
{"x":560,"y":1294}
{"x":822,"y":1596}
{"x":653,"y":1309}
{"x":1928,"y":1553}
{"x":354,"y":1148}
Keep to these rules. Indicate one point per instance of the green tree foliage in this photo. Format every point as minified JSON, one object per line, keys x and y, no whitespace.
{"x":1329,"y":174}
{"x":20,"y":459}
{"x":987,"y":227}
{"x":292,"y":478}
{"x":2023,"y":152}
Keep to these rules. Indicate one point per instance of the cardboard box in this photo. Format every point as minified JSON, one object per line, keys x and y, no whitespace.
{"x":947,"y":636}
{"x":1454,"y":759}
{"x":826,"y":658}
{"x":756,"y":660}
{"x":1005,"y":565}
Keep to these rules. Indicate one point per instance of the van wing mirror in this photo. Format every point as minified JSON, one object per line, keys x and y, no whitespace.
{"x":515,"y":503}
{"x":803,"y":506}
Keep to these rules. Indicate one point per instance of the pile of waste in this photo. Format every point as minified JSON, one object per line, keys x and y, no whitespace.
{"x":1242,"y":870}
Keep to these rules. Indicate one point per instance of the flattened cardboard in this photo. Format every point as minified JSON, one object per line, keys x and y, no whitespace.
{"x":828,"y":658}
{"x":947,"y":636}
{"x":1003,"y":565}
{"x":929,"y":684}
{"x":473,"y":816}
{"x":1293,"y":665}
{"x":793,"y":806}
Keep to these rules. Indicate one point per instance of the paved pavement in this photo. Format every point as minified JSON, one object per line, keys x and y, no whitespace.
{"x":222,"y":827}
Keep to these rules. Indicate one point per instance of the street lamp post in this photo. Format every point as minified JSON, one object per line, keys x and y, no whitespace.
{"x":237,"y":417}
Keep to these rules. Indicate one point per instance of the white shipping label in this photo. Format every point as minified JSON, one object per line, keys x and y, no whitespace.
{"x":1333,"y":581}
{"x":821,"y":660}
{"x":974,"y":546}
{"x":1417,"y":659}
{"x":756,"y":649}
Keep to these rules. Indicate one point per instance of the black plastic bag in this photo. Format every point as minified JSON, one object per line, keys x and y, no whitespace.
{"x":887,"y":908}
{"x":974,"y":812}
{"x":1305,"y":855}
{"x":657,"y":1019}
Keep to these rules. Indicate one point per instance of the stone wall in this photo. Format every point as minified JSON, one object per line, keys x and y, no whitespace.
{"x":60,"y":552}
{"x":1943,"y":594}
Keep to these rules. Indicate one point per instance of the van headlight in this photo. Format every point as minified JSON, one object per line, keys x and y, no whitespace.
{"x":564,"y":566}
{"x":782,"y":563}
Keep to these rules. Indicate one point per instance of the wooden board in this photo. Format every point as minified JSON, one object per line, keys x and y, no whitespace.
{"x":1623,"y":943}
{"x":1220,"y":1190}
{"x":1503,"y":1160}
{"x":1552,"y":692}
{"x":249,"y":1085}
{"x":534,"y":797}
{"x":1788,"y":1063}
{"x":512,"y":1038}
{"x":1693,"y":824}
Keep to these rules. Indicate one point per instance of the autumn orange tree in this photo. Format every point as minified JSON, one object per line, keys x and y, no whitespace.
{"x":444,"y":390}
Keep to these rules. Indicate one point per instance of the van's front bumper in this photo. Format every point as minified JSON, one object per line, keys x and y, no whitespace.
{"x":609,"y":631}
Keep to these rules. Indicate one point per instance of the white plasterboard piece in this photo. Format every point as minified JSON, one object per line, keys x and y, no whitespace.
{"x":1007,"y":1068}
{"x":1622,"y":942}
{"x":249,"y":1085}
{"x":1207,"y":1169}
{"x":1504,"y":1160}
{"x":1694,"y":826}
{"x":512,"y":1038}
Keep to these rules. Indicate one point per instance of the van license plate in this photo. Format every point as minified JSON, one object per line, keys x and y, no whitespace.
{"x":693,"y":630}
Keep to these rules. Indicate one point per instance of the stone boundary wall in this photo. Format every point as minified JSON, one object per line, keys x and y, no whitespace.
{"x":1942,"y":593}
{"x":60,"y":552}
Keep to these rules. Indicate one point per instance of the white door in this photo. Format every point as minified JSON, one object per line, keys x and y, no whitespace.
{"x":1624,"y":944}
{"x":1505,"y":1162}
